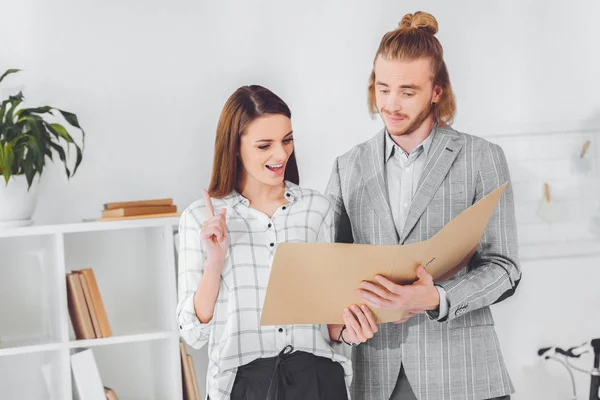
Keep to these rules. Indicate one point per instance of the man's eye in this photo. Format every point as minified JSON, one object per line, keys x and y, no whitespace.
{"x":384,"y":91}
{"x":409,"y":94}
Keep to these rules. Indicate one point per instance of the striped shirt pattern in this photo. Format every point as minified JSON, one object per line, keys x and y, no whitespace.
{"x":458,"y":357}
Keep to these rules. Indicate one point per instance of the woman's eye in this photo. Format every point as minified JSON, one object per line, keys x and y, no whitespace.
{"x":290,"y":140}
{"x":263,"y":147}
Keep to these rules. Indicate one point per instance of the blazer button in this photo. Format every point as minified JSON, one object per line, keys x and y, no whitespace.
{"x":272,"y":244}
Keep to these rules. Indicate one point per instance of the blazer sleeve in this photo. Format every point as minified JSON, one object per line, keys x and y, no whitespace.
{"x":494,"y":271}
{"x":342,"y":228}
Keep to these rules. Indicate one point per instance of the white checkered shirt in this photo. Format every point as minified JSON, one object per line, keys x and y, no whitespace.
{"x":234,"y":334}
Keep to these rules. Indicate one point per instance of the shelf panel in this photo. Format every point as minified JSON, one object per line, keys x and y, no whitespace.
{"x":88,"y":227}
{"x":28,"y":345}
{"x":138,"y":337}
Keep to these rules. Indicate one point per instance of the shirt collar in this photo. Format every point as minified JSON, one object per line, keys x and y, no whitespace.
{"x":390,"y":145}
{"x":293,"y":193}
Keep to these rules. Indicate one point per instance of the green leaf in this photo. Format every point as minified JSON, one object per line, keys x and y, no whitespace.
{"x":10,"y":71}
{"x":27,"y":139}
{"x":62,"y":132}
{"x":7,"y":161}
{"x":37,"y":110}
{"x":72,"y":119}
{"x":62,"y":155}
{"x":5,"y":104}
{"x":28,"y":168}
{"x":14,"y":103}
{"x":34,"y":130}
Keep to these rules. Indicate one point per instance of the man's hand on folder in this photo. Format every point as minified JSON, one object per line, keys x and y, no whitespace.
{"x":415,"y":298}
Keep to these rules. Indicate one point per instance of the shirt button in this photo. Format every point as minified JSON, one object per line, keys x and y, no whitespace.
{"x":287,"y":195}
{"x":280,"y":330}
{"x":407,"y":169}
{"x":270,"y":225}
{"x":283,"y":208}
{"x":405,"y":205}
{"x":271,"y":244}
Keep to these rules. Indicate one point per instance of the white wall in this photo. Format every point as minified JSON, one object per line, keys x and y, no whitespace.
{"x":148,"y":80}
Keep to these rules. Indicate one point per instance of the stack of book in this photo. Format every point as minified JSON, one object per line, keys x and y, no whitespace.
{"x":86,"y":309}
{"x":188,"y":375}
{"x":139,"y":209}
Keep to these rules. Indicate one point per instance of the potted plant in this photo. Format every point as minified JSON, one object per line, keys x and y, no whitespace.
{"x":27,"y":137}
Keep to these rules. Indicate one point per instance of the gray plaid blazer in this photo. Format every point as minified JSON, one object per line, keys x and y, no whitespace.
{"x":458,"y":358}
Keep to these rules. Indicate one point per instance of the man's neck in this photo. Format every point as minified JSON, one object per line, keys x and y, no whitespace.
{"x":409,"y":141}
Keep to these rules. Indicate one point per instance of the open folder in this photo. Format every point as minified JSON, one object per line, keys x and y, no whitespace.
{"x":312,"y":283}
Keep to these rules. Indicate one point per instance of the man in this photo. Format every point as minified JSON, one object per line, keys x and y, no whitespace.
{"x":402,"y":187}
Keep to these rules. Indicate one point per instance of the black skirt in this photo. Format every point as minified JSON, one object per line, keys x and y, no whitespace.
{"x":290,"y":376}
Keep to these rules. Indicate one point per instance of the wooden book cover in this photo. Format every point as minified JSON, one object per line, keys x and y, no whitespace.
{"x":78,"y":310}
{"x":133,"y":211}
{"x":138,"y":203}
{"x":110,"y":394}
{"x":165,"y":215}
{"x":90,"y":304}
{"x":97,"y":302}
{"x":194,"y":380}
{"x":186,"y":374}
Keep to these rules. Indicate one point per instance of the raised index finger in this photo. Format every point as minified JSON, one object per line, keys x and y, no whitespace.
{"x":209,"y":206}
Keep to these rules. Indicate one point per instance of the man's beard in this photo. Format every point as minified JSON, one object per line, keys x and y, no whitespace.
{"x":423,"y":115}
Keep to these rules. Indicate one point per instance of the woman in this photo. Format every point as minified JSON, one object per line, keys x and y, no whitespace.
{"x":228,"y":240}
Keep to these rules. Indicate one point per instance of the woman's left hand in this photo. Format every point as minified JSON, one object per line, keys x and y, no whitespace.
{"x":360,"y":324}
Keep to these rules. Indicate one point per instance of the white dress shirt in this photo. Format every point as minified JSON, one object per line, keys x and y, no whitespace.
{"x":403,"y":172}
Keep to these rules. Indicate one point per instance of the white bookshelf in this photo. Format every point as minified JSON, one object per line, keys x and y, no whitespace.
{"x":134,"y":265}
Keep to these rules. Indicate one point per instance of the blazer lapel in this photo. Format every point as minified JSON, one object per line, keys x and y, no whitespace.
{"x":372,"y":170}
{"x":444,"y":150}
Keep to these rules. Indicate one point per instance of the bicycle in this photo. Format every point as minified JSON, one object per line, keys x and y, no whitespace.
{"x":558,"y":354}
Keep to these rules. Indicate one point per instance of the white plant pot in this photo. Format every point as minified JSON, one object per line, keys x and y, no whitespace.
{"x":17,"y":204}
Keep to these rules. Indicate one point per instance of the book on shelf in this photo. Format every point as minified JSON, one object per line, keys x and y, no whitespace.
{"x":194,"y":380}
{"x":86,"y":377}
{"x":138,"y":203}
{"x":86,"y":308}
{"x":90,"y":304}
{"x":78,"y":309}
{"x":188,"y":376}
{"x":138,"y":209}
{"x":135,"y":211}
